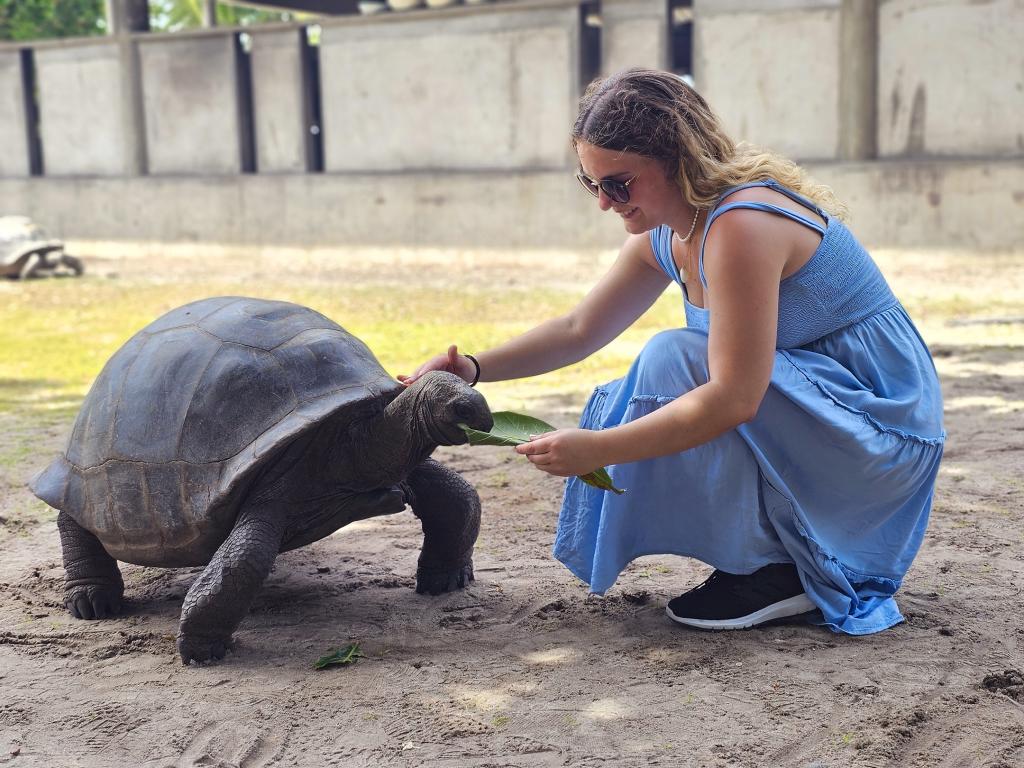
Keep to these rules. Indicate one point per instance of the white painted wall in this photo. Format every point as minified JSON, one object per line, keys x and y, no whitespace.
{"x":80,"y":110}
{"x":476,"y":91}
{"x":634,"y":34}
{"x":13,"y":136}
{"x":895,"y":203}
{"x":951,"y":78}
{"x":190,"y":103}
{"x":771,"y":73}
{"x":277,"y":101}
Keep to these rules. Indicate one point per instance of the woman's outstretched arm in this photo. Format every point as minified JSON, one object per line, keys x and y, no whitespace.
{"x":627,"y":290}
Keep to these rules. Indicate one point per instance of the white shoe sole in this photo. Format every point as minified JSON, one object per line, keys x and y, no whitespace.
{"x":793,"y":606}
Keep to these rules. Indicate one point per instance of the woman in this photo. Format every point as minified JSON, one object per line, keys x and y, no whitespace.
{"x":790,"y":435}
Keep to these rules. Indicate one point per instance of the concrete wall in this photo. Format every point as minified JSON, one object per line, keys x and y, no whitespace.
{"x":277,"y":101}
{"x":931,"y":204}
{"x":540,"y":209}
{"x":190,"y":103}
{"x":770,"y":70}
{"x":634,"y":34}
{"x":13,"y":138}
{"x":951,"y":78}
{"x":483,"y":90}
{"x":924,"y":204}
{"x":448,"y":127}
{"x":80,"y":120}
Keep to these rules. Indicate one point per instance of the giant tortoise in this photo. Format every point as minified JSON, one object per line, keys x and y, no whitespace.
{"x":231,"y":429}
{"x":26,"y":251}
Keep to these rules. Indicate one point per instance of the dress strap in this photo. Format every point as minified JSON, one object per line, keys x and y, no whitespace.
{"x":661,"y":244}
{"x":769,"y":208}
{"x":754,"y":205}
{"x":773,"y":184}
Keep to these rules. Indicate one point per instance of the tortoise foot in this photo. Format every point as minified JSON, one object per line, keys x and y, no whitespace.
{"x":93,"y":601}
{"x":199,"y":649}
{"x":435,"y":581}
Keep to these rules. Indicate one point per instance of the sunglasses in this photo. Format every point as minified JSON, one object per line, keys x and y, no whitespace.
{"x":617,"y":191}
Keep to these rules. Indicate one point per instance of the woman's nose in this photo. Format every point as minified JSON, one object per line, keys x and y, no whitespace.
{"x":603,"y":201}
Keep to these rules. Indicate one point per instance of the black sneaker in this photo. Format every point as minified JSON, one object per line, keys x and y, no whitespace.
{"x":727,"y":601}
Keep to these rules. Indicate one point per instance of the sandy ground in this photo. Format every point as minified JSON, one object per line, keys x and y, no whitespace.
{"x":523,"y":668}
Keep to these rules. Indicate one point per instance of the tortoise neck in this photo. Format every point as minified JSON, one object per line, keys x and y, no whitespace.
{"x":394,"y":443}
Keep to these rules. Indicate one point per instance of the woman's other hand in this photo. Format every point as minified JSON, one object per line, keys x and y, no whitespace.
{"x":451,"y":361}
{"x":564,"y":452}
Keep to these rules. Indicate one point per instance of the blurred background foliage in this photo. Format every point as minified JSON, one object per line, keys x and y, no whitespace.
{"x":42,"y":19}
{"x":45,"y":19}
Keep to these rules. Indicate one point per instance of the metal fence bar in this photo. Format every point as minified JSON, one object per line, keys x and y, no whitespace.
{"x":34,"y":141}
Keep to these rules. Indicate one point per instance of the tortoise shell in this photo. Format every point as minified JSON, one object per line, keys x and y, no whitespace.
{"x":184,"y":415}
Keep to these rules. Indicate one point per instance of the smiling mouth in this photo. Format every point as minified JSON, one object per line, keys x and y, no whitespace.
{"x":628,"y":214}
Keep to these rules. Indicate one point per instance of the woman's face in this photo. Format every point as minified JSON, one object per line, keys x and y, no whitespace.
{"x":654,"y":199}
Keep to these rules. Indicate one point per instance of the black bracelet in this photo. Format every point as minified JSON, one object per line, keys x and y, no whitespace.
{"x":476,"y":364}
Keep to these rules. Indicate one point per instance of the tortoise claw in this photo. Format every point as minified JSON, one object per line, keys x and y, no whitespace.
{"x":93,"y":602}
{"x":436,"y":581}
{"x":200,"y":649}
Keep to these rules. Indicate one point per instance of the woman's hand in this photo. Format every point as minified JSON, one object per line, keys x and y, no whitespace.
{"x":564,"y":452}
{"x":451,"y":361}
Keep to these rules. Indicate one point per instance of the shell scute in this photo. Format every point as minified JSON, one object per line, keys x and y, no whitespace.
{"x":163,"y":496}
{"x":264,"y":324}
{"x":127,"y":502}
{"x":93,"y":433}
{"x":75,"y":491}
{"x":243,"y":393}
{"x":199,"y":490}
{"x":192,"y":313}
{"x":157,"y":392}
{"x":97,"y":514}
{"x":323,"y":360}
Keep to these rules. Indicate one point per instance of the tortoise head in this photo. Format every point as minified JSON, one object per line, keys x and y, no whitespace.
{"x":443,"y":401}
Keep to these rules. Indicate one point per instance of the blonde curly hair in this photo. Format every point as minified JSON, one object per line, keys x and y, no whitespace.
{"x":657,"y":115}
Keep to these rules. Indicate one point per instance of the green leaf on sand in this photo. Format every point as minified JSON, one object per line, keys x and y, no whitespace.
{"x":340,"y":657}
{"x":515,"y":429}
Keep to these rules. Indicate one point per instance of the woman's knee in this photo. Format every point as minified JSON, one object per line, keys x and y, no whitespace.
{"x":678,"y":356}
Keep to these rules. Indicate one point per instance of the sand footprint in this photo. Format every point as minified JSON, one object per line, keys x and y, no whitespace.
{"x":226,"y":745}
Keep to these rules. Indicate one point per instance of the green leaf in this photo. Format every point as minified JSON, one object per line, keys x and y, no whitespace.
{"x":509,"y":429}
{"x":340,"y":657}
{"x":600,"y":478}
{"x":515,"y":429}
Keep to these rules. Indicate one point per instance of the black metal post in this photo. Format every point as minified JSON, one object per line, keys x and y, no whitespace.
{"x":312,"y":115}
{"x":246,"y":121}
{"x":34,"y":140}
{"x":590,"y":42}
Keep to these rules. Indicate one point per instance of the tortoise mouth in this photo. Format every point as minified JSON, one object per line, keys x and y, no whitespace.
{"x":450,"y":432}
{"x":471,"y":411}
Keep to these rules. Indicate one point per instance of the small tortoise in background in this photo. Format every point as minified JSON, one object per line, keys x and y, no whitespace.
{"x":232,"y":429}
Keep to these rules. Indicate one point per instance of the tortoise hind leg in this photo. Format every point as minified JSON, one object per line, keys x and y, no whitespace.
{"x":93,"y":587}
{"x":218,"y":600}
{"x":449,"y":509}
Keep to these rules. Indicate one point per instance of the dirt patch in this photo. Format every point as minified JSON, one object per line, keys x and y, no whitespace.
{"x":524,"y":668}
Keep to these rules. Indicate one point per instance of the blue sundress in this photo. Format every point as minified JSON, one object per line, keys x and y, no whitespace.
{"x":835,"y":473}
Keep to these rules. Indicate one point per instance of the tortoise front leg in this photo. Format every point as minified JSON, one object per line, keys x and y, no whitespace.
{"x":93,"y":587}
{"x":449,"y":509}
{"x":219,"y":599}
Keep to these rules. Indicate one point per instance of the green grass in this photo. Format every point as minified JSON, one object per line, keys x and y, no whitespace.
{"x":57,"y":334}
